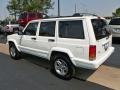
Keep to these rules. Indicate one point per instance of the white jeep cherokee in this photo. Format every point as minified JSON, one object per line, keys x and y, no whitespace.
{"x":68,"y":42}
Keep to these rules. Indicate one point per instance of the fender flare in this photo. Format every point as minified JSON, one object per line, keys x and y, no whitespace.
{"x":12,"y":40}
{"x":62,"y":50}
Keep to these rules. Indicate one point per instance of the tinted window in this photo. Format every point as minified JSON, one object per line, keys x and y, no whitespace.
{"x":101,"y":29}
{"x":32,"y":14}
{"x":71,"y":29}
{"x":23,"y":15}
{"x":39,"y":15}
{"x":47,"y":29}
{"x":115,"y":21}
{"x":31,"y":29}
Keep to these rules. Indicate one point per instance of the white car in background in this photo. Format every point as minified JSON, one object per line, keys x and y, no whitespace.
{"x":11,"y":28}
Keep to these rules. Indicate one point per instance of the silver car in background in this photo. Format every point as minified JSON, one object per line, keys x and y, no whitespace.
{"x":115,"y":26}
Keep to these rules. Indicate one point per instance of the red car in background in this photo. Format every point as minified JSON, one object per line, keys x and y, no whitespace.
{"x":25,"y":17}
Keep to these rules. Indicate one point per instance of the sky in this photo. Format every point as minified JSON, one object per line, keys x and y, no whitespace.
{"x":67,"y":7}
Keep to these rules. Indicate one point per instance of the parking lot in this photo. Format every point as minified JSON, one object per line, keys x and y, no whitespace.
{"x":32,"y":73}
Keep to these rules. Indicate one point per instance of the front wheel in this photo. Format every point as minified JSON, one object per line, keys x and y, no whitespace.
{"x":62,"y":67}
{"x":14,"y":53}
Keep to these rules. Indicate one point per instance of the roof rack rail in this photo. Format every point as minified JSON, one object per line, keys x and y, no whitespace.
{"x":56,"y":17}
{"x":74,"y":15}
{"x":84,"y":14}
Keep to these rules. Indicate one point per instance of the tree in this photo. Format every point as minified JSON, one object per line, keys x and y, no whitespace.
{"x":17,"y":6}
{"x":37,"y":5}
{"x":13,"y":7}
{"x":117,"y":13}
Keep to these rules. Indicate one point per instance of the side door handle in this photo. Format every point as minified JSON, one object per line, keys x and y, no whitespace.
{"x":51,"y":40}
{"x":33,"y":38}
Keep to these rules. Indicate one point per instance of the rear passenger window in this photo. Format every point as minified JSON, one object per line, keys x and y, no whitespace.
{"x":71,"y":29}
{"x":47,"y":29}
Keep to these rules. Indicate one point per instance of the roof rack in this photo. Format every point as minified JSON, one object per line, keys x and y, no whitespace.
{"x":84,"y":14}
{"x":74,"y":15}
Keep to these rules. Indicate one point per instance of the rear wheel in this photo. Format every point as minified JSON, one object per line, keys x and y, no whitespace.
{"x":14,"y":53}
{"x":62,"y":67}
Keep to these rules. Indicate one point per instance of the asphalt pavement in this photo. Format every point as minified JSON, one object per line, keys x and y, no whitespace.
{"x":27,"y":75}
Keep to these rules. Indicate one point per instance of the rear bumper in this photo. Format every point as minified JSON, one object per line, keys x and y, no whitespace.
{"x":93,"y":64}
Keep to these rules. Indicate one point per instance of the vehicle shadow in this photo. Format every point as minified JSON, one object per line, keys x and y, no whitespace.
{"x":37,"y":61}
{"x":83,"y":74}
{"x":80,"y":73}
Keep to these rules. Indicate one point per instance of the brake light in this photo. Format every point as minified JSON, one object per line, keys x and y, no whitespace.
{"x":92,"y":52}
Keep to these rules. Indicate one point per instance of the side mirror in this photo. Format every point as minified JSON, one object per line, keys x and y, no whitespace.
{"x":20,"y":33}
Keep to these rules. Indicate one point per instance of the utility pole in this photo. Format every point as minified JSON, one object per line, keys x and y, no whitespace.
{"x":58,"y":8}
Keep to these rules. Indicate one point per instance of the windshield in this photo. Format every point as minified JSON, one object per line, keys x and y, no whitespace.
{"x":101,"y":28}
{"x":115,"y":21}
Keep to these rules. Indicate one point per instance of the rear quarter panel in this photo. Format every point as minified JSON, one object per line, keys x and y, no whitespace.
{"x":78,"y":47}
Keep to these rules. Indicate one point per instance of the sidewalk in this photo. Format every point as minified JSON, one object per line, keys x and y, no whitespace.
{"x":107,"y":76}
{"x":4,"y":49}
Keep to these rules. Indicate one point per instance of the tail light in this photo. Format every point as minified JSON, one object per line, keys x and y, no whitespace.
{"x":7,"y":27}
{"x":92,"y":52}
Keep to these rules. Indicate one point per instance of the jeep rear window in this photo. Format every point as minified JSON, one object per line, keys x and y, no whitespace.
{"x":101,"y":28}
{"x":32,"y":15}
{"x":115,"y":21}
{"x":71,"y":29}
{"x":23,"y":15}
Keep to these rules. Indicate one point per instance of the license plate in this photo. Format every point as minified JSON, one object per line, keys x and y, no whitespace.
{"x":106,"y":45}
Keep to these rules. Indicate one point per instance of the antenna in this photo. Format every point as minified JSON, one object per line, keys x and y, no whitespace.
{"x":75,"y":6}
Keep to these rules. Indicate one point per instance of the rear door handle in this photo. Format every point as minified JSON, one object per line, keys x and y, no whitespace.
{"x":33,"y":38}
{"x":51,"y":40}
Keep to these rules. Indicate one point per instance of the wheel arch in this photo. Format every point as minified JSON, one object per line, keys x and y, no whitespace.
{"x":13,"y":42}
{"x":62,"y":51}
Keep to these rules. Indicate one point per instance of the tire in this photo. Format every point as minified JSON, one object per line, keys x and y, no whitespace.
{"x":62,"y":67}
{"x":14,"y":53}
